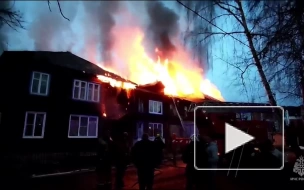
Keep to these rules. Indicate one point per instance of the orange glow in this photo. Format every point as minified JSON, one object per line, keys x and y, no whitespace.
{"x":115,"y":83}
{"x":104,"y":115}
{"x":181,"y":76}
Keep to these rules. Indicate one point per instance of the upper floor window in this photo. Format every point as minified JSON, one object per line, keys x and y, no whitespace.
{"x":40,"y":83}
{"x":82,"y":126}
{"x":34,"y":124}
{"x":243,"y":116}
{"x":140,"y":106}
{"x":155,"y":107}
{"x":87,"y":91}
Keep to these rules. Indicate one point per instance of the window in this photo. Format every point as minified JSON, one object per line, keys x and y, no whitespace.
{"x":243,"y":116}
{"x":34,"y":124}
{"x":154,"y":129}
{"x":40,"y":83}
{"x":82,"y":126}
{"x":140,"y":106}
{"x":155,"y":107}
{"x":86,"y":91}
{"x":139,"y":130}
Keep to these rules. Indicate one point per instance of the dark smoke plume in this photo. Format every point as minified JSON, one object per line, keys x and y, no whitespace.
{"x":107,"y":22}
{"x":163,"y":25}
{"x":101,"y":18}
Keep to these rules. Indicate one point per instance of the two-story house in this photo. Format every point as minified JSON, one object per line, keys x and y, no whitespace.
{"x":56,"y":102}
{"x":53,"y":102}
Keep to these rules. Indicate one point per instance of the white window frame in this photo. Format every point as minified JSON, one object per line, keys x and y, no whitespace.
{"x":88,"y":117}
{"x":86,"y":91}
{"x":151,"y":103}
{"x":162,"y":130}
{"x":34,"y":125}
{"x":39,"y":84}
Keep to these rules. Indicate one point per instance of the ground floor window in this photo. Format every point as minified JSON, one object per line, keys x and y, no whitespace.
{"x":34,"y":124}
{"x":152,"y":129}
{"x":82,"y":126}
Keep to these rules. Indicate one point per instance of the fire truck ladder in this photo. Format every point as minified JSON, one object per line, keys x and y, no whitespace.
{"x":179,"y":116}
{"x":239,"y":162}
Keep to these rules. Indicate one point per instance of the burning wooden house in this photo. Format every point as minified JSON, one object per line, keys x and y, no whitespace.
{"x":57,"y":103}
{"x":54,"y":105}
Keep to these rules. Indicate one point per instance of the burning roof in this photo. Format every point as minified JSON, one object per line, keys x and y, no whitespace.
{"x":72,"y":61}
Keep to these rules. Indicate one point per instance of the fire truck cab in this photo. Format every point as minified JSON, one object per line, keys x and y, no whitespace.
{"x":214,"y":123}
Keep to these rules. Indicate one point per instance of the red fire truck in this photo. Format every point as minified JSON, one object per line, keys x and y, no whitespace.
{"x":214,"y":123}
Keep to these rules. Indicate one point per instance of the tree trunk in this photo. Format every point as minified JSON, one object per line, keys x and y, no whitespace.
{"x":258,"y":64}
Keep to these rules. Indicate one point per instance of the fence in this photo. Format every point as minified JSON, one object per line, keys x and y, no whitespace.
{"x":41,"y":163}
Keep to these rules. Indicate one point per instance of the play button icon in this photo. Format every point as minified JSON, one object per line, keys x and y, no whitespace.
{"x":235,"y":138}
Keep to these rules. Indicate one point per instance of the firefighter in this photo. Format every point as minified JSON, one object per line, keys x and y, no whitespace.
{"x":213,"y":158}
{"x":122,"y":159}
{"x":104,"y":166}
{"x":267,"y":159}
{"x":195,"y":177}
{"x":174,"y":148}
{"x":159,"y":146}
{"x":143,"y":156}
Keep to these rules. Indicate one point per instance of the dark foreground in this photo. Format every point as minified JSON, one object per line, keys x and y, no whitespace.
{"x":167,"y":177}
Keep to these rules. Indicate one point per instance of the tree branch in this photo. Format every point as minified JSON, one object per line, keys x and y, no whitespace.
{"x":208,"y":21}
{"x":59,"y":6}
{"x":12,"y":18}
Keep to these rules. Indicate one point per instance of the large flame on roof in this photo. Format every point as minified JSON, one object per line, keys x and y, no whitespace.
{"x":180,"y":76}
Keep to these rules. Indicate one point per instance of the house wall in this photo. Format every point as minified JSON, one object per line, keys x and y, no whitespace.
{"x":170,"y":119}
{"x":139,"y":113}
{"x":15,"y":100}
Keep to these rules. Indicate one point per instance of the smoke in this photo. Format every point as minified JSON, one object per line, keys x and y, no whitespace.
{"x":163,"y":26}
{"x":50,"y":27}
{"x":101,"y":17}
{"x":104,"y":32}
{"x":107,"y":22}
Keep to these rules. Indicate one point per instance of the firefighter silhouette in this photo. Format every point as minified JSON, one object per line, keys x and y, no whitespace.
{"x":143,"y":156}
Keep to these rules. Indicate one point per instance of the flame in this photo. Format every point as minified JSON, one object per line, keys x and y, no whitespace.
{"x":180,"y":76}
{"x":116,"y":83}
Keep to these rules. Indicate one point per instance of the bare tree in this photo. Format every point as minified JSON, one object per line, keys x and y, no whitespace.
{"x":285,"y":50}
{"x":245,"y":33}
{"x":201,"y":49}
{"x":13,"y":18}
{"x":9,"y":16}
